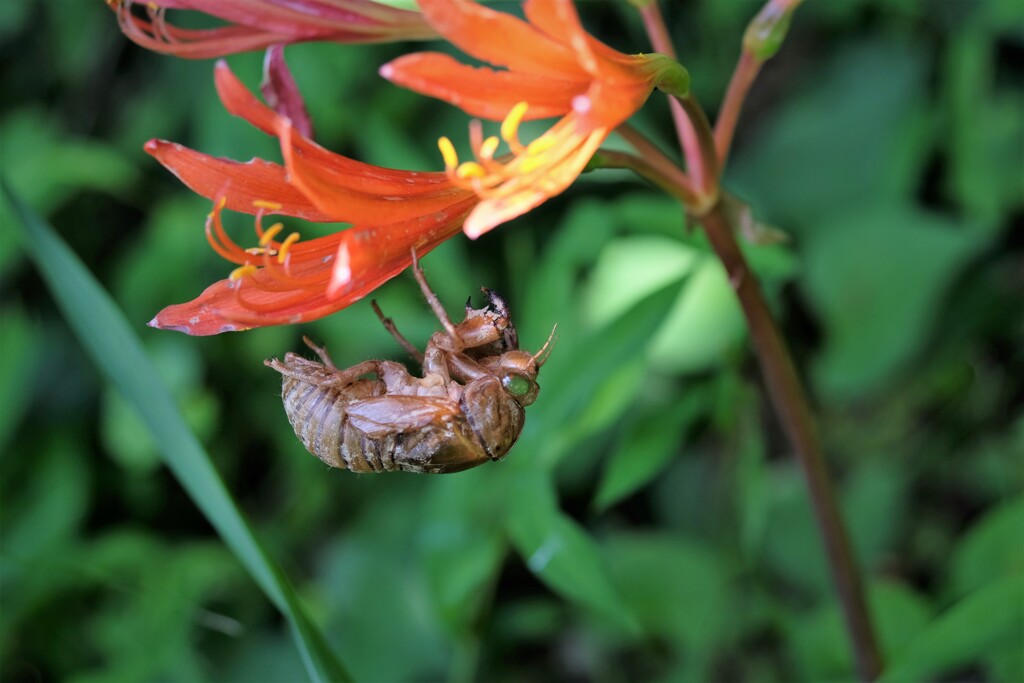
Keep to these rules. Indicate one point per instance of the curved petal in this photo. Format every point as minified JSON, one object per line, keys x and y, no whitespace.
{"x":314,"y":18}
{"x":481,"y":91}
{"x":257,"y":24}
{"x":335,"y":193}
{"x":374,"y":254}
{"x":239,"y":183}
{"x":500,"y":39}
{"x":520,"y":197}
{"x":345,"y":172}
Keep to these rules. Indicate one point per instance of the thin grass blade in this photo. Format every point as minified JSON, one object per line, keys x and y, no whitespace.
{"x":117,"y":352}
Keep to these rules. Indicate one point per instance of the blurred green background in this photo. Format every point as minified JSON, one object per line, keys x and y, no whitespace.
{"x":651,"y":524}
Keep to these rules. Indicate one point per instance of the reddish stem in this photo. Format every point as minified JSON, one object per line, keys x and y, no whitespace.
{"x":781,"y":380}
{"x":794,"y":413}
{"x":703,"y":178}
{"x":747,"y":69}
{"x":682,"y":185}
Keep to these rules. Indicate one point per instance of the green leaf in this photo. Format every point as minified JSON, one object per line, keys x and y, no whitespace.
{"x":647,"y":445}
{"x":679,"y":589}
{"x":117,"y":352}
{"x":559,"y":551}
{"x":803,"y":170}
{"x":571,"y":381}
{"x":991,"y":550}
{"x":988,"y":619}
{"x":821,"y":645}
{"x":877,"y":310}
{"x":463,"y":543}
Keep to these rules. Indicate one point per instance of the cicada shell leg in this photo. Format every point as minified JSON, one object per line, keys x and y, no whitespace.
{"x":389,"y":325}
{"x":435,"y":303}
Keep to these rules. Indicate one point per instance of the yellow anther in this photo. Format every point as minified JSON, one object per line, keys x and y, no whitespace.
{"x":541,"y":144}
{"x":241,"y":271}
{"x":451,"y":159}
{"x":530,"y":164}
{"x":470,"y":169}
{"x":152,"y":6}
{"x":510,"y":126}
{"x":282,"y":253}
{"x":270,"y":233}
{"x":268,"y":205}
{"x":489,"y":146}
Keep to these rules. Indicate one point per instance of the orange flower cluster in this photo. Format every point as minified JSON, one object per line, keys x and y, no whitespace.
{"x":545,"y":66}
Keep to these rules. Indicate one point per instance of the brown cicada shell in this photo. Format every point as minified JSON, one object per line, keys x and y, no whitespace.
{"x":466,"y":410}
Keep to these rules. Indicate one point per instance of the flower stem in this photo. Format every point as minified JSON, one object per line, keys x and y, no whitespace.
{"x":793,"y":410}
{"x":783,"y":384}
{"x":673,"y":182}
{"x":652,"y":156}
{"x":661,"y":42}
{"x":743,"y":77}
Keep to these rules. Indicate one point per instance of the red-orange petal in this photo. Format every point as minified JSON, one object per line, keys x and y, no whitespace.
{"x":345,"y":172}
{"x":239,"y":183}
{"x":333,"y":194}
{"x":480,"y":91}
{"x":377,"y":254}
{"x":500,"y":39}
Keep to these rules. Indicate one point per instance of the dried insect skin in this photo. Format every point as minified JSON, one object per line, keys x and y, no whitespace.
{"x":466,"y":410}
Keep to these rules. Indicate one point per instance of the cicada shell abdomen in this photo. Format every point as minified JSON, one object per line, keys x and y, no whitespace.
{"x":352,"y":423}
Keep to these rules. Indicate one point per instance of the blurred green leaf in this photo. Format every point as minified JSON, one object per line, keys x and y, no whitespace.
{"x":375,"y":587}
{"x":679,"y":589}
{"x":18,"y":364}
{"x":115,"y":349}
{"x":988,"y":619}
{"x":861,"y":133}
{"x":51,"y":507}
{"x":822,"y":646}
{"x":560,"y":552}
{"x":47,"y":166}
{"x":463,"y":542}
{"x":646,"y":445}
{"x":137,"y":570}
{"x":987,"y":131}
{"x":876,"y":496}
{"x":572,"y":377}
{"x":877,"y":310}
{"x":704,"y":322}
{"x":629,"y":269}
{"x":704,"y":326}
{"x":991,"y":550}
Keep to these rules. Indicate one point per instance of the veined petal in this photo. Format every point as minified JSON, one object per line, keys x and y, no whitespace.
{"x":281,"y":91}
{"x":334,"y":193}
{"x":240,"y":183}
{"x":480,"y":91}
{"x":299,"y":292}
{"x":305,"y":17}
{"x":520,"y":195}
{"x":344,"y":172}
{"x":256,"y":24}
{"x":500,"y":39}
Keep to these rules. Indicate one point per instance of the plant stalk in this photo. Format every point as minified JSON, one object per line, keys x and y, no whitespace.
{"x":783,"y":384}
{"x":789,"y":400}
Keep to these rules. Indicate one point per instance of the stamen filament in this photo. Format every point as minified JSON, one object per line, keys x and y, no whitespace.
{"x":268,"y":235}
{"x":242,"y":271}
{"x":451,"y":159}
{"x":282,"y":253}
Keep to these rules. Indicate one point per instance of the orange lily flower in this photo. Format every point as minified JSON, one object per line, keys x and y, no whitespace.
{"x":256,"y":24}
{"x":551,"y":67}
{"x":285,"y":281}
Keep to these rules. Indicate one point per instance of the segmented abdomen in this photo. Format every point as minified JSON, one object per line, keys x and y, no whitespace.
{"x":317,"y":414}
